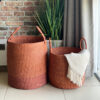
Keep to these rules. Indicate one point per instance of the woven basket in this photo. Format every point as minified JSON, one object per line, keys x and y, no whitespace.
{"x":27,"y":59}
{"x":58,"y":66}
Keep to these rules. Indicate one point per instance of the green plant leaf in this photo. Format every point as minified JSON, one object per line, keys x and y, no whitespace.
{"x":50,"y":19}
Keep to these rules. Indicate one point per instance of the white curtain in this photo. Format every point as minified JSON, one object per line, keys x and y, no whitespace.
{"x":87,"y":31}
{"x":98,"y":35}
{"x":96,"y":23}
{"x":90,"y":30}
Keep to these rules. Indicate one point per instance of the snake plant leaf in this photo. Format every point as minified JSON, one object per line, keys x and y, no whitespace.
{"x":50,"y":19}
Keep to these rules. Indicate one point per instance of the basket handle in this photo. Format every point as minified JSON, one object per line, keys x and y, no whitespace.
{"x":83,"y":39}
{"x":50,"y":44}
{"x":16,"y":30}
{"x":40,"y":31}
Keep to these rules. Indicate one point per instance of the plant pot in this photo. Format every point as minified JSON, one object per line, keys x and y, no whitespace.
{"x":55,"y":43}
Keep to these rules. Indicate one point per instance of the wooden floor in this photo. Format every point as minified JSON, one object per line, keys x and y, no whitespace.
{"x":90,"y":91}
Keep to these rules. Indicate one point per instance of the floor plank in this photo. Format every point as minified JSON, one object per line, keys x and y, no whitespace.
{"x":44,"y":93}
{"x":90,"y":90}
{"x":84,"y":93}
{"x":3,"y":85}
{"x":91,"y":82}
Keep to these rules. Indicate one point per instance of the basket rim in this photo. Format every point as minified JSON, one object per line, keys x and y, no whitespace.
{"x":51,"y":52}
{"x":27,"y":36}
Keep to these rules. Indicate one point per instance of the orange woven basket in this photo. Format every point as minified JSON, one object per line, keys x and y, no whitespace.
{"x":27,"y":60}
{"x":58,"y":66}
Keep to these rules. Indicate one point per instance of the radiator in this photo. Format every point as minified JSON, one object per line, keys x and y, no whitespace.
{"x":3,"y":52}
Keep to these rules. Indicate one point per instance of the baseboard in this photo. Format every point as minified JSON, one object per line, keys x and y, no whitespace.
{"x":3,"y":68}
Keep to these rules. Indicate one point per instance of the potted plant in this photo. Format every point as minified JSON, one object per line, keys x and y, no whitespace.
{"x":50,"y":20}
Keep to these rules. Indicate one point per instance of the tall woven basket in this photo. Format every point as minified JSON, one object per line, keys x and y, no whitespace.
{"x":26,"y":58}
{"x":58,"y":66}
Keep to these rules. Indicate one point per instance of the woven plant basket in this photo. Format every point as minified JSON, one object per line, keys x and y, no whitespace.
{"x":27,"y":59}
{"x":58,"y":66}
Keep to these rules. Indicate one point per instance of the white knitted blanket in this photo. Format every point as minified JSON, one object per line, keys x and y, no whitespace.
{"x":77,"y":65}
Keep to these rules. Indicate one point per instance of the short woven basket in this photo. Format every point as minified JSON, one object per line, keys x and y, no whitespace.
{"x":58,"y":66}
{"x":27,"y":60}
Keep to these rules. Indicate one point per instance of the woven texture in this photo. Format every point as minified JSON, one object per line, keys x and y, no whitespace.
{"x":58,"y":67}
{"x":27,"y":60}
